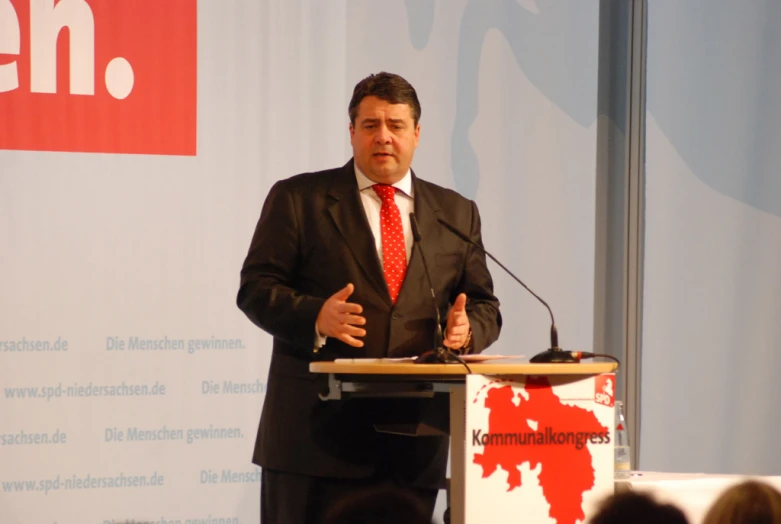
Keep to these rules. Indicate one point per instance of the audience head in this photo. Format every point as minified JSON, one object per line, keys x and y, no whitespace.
{"x":380,"y":505}
{"x":637,"y":508}
{"x":749,"y":502}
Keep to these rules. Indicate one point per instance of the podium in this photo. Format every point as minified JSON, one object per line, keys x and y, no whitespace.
{"x":528,"y":442}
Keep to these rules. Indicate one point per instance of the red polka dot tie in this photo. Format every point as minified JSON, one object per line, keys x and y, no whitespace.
{"x":394,"y":252}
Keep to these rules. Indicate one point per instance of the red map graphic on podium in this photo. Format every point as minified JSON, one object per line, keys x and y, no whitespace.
{"x":567,"y":472}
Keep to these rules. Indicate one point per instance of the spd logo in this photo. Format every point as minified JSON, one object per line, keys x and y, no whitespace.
{"x":604,"y":389}
{"x":108,"y":76}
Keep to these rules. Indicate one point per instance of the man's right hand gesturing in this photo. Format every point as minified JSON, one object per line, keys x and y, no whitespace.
{"x":338,"y":318}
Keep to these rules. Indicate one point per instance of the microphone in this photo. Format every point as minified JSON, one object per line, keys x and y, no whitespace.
{"x":440,"y":354}
{"x":552,"y":355}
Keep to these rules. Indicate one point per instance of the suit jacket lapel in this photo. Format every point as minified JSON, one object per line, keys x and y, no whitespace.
{"x":349,"y":217}
{"x":426,"y":209}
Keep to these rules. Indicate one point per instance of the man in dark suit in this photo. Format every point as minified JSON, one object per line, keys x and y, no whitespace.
{"x":332,"y":272}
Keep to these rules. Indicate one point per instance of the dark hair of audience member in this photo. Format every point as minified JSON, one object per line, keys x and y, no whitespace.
{"x":750,"y":502}
{"x":637,"y":508}
{"x":381,"y":505}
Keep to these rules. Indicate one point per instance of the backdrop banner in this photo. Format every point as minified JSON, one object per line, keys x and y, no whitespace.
{"x":138,"y":146}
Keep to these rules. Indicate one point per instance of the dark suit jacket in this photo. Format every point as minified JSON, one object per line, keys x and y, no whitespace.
{"x":312,"y":239}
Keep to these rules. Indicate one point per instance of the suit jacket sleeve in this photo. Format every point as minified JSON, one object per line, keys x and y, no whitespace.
{"x":267,"y":294}
{"x":482,"y":306}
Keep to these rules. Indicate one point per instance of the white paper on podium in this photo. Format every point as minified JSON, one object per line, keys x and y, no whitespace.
{"x":479,"y":357}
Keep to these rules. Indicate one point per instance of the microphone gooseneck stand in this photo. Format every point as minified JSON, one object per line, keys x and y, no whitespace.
{"x":440,"y":354}
{"x":554,"y":354}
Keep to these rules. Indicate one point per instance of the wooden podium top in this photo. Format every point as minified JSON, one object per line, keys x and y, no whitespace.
{"x":369,"y":366}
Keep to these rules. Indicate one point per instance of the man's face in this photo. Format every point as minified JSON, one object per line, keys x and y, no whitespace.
{"x":384,"y":138}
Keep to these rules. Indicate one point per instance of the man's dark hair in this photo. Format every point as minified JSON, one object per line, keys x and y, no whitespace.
{"x":385,"y":86}
{"x":637,"y":508}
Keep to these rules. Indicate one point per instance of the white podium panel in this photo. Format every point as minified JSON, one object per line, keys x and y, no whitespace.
{"x":536,"y":448}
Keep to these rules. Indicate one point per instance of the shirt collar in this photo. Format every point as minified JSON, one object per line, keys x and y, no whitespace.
{"x":404,"y":185}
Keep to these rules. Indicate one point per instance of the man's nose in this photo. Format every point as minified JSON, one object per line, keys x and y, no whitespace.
{"x":383,"y":135}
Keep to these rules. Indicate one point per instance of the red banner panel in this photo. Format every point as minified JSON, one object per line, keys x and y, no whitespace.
{"x":102,"y":76}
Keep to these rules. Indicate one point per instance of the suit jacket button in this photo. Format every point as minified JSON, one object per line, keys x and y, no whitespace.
{"x":396,"y":316}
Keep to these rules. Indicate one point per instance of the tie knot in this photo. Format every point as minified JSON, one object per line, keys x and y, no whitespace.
{"x":385,"y":192}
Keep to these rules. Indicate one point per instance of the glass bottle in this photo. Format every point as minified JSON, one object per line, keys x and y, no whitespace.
{"x":621,"y":443}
